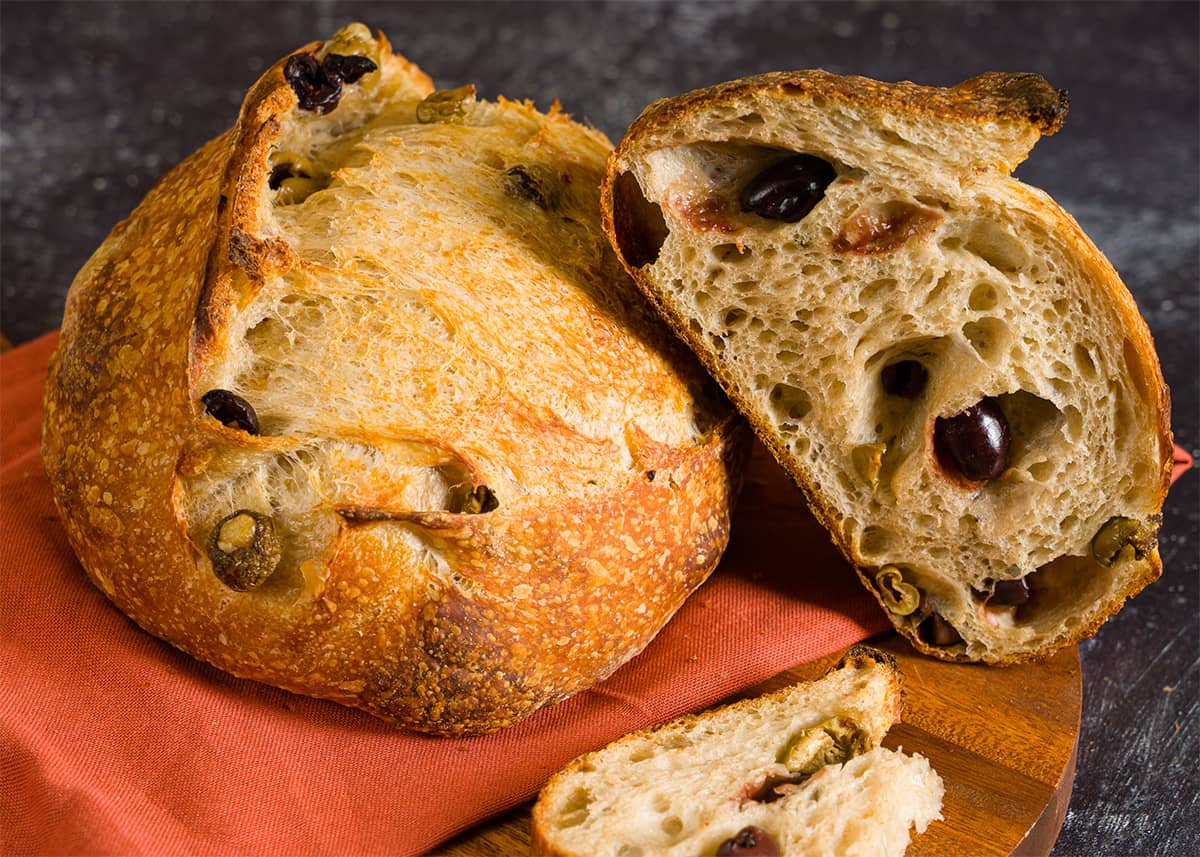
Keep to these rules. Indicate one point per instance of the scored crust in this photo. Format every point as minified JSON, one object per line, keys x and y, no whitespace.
{"x":421,"y":328}
{"x":946,"y":152}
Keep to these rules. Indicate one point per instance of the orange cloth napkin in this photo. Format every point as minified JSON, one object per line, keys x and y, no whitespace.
{"x":113,"y":742}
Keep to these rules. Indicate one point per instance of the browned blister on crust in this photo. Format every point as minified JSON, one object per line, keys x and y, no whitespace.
{"x":480,"y":475}
{"x":918,"y":249}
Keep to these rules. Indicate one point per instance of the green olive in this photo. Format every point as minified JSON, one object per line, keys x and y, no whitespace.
{"x":446,"y":105}
{"x":1117,"y":534}
{"x":900,"y":597}
{"x":244,"y":549}
{"x":834,"y":741}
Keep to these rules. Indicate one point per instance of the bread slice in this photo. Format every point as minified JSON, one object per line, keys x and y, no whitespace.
{"x":803,"y":765}
{"x":359,"y":402}
{"x":936,"y":353}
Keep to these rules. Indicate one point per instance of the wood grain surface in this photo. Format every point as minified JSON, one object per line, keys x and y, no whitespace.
{"x":1003,"y":740}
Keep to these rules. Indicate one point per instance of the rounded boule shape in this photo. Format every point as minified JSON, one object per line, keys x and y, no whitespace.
{"x":457,"y":391}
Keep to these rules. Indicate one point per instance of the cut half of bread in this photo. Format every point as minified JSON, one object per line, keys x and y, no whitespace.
{"x":936,"y":353}
{"x":797,"y":771}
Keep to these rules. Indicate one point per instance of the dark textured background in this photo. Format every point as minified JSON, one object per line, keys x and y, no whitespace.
{"x":99,"y":99}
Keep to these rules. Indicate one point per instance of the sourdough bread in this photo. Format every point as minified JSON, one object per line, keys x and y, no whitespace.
{"x":359,"y":403}
{"x":796,"y":772}
{"x":936,"y":353}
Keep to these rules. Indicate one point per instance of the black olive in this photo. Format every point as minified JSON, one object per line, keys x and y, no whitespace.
{"x":318,"y":85}
{"x":1009,"y":593}
{"x":347,"y":68}
{"x":975,"y":442}
{"x":749,"y":842}
{"x":314,"y":89}
{"x":905,"y":379}
{"x":769,"y":791}
{"x":231,"y":410}
{"x":788,"y":190}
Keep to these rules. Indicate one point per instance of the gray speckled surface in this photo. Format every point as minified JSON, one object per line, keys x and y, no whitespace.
{"x":99,"y":99}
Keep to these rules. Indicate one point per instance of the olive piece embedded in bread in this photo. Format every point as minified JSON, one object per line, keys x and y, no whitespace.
{"x":446,"y":105}
{"x":244,"y":549}
{"x":789,"y":189}
{"x":975,"y":442}
{"x":520,"y":183}
{"x":231,"y":410}
{"x":1117,"y":534}
{"x":347,"y":68}
{"x":900,"y":597}
{"x":750,"y":841}
{"x":318,"y":84}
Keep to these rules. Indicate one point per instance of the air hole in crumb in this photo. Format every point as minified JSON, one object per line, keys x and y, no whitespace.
{"x":877,"y":290}
{"x":575,"y":811}
{"x":1042,"y":470}
{"x":939,"y":288}
{"x":702,"y":299}
{"x":629,"y":851}
{"x":642,"y":754}
{"x":790,"y":402}
{"x":672,"y":825}
{"x":1034,"y":425}
{"x":640,"y":226}
{"x":998,"y":247}
{"x":983,"y":297}
{"x":731,"y":253}
{"x":988,"y":336}
{"x":734,"y":316}
{"x":876,"y":541}
{"x":1084,"y":362}
{"x":752,"y":119}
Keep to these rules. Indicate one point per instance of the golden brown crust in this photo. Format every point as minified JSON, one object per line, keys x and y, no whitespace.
{"x":1020,"y":98}
{"x":993,"y":96}
{"x":540,"y":598}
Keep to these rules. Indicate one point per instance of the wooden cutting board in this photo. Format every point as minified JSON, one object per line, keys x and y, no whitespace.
{"x":1002,"y":738}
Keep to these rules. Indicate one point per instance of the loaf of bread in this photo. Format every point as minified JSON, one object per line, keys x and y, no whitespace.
{"x":359,"y":403}
{"x":936,"y":353}
{"x":796,"y":772}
